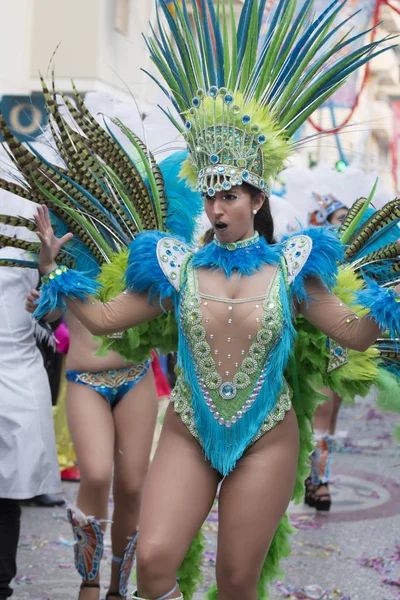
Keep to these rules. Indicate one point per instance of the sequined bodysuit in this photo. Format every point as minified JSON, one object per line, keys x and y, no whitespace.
{"x":230,"y":341}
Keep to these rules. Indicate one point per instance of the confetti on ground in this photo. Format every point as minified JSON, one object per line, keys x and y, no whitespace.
{"x":24,"y":579}
{"x":385,"y":566}
{"x":59,"y":517}
{"x":209,"y":558}
{"x":310,"y":592}
{"x":63,"y":542}
{"x":305,"y":522}
{"x":314,"y":549}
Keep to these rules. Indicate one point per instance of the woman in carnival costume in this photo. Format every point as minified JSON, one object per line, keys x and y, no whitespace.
{"x":233,"y":417}
{"x":111,"y":396}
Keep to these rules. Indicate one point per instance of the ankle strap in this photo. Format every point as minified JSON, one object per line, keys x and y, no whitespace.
{"x":136,"y":597}
{"x":117,"y":559}
{"x":169,"y":593}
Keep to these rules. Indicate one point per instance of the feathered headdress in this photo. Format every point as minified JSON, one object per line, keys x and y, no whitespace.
{"x":242,"y":94}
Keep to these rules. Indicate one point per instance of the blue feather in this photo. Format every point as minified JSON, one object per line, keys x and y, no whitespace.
{"x":166,"y":52}
{"x":286,"y":70}
{"x":245,"y":261}
{"x":309,"y":36}
{"x":166,"y":92}
{"x":210,"y":54}
{"x":243,"y":27}
{"x":327,"y":251}
{"x":184,"y":205}
{"x":341,"y":76}
{"x":219,"y":46}
{"x":384,"y":306}
{"x":70,"y":284}
{"x":202,"y":50}
{"x":312,"y":32}
{"x":144,"y":273}
{"x":261,"y":10}
{"x":21,"y":263}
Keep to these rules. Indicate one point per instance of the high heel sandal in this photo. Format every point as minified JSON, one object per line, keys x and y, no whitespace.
{"x":322,"y":502}
{"x":309,"y":492}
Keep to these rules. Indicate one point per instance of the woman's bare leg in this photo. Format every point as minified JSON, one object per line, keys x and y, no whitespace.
{"x":252,"y":501}
{"x":323,"y":412}
{"x":92,"y":431}
{"x":135,"y":419}
{"x":179,"y":492}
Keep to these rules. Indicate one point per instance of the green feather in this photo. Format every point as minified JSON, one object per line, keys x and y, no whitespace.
{"x":357,"y":219}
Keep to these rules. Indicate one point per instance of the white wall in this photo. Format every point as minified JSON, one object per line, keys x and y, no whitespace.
{"x":15,"y":46}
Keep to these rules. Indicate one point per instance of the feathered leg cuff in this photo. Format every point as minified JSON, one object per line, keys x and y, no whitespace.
{"x":384,"y":306}
{"x":60,"y":284}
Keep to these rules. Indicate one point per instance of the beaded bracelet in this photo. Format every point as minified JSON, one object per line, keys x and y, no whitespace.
{"x":53,"y":274}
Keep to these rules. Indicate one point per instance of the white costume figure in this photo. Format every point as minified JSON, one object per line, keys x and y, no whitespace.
{"x":28,"y":457}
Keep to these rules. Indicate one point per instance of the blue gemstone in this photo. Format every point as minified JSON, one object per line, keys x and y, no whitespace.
{"x":173,"y":264}
{"x":339,"y":351}
{"x":214,"y":159}
{"x":188,"y":125}
{"x":211,"y":191}
{"x":261,"y":139}
{"x":245,"y":175}
{"x":262,"y":183}
{"x":175,"y":248}
{"x":226,"y":185}
{"x":228,"y":391}
{"x":196,"y":102}
{"x":221,"y":169}
{"x":298,"y":254}
{"x":246,"y":119}
{"x":228,"y":99}
{"x":168,"y":252}
{"x":213,"y":91}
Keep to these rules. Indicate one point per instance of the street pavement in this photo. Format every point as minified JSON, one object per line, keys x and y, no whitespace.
{"x":352,"y":553}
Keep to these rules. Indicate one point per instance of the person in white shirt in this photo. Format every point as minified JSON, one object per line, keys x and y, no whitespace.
{"x":28,"y":457}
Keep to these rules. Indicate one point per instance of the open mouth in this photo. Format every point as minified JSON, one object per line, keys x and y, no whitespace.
{"x":220,"y":226}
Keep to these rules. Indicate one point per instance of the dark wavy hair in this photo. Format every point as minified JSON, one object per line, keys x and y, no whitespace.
{"x":263,"y":221}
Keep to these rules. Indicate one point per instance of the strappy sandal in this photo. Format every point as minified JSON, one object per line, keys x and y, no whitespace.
{"x":309,"y":492}
{"x":322,"y":502}
{"x":88,"y":585}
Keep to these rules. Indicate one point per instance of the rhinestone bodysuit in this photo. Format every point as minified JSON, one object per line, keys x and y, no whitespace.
{"x":230,"y":342}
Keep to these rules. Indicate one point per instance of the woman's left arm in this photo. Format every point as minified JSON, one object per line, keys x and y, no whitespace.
{"x":326,"y":312}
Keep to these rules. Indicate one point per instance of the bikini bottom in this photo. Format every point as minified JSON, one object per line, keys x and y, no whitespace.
{"x":113,"y":384}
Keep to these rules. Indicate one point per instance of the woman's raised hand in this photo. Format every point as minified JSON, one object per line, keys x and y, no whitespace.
{"x":50,"y":244}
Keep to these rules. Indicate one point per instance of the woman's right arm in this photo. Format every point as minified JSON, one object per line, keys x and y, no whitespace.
{"x":123,"y":312}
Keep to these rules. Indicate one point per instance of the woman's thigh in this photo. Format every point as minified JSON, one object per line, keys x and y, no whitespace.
{"x":253,"y":500}
{"x":92,"y":430}
{"x":179,"y":492}
{"x":135,"y":420}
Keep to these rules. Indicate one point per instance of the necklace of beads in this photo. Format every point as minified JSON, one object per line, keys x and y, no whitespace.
{"x":232,"y":246}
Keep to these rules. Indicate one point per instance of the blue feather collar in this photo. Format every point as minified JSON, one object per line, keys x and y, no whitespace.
{"x":245,"y":258}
